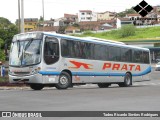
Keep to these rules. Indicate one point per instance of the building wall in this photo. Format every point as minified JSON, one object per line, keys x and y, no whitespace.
{"x":105,"y":16}
{"x":30,"y":24}
{"x":118,"y":23}
{"x":86,"y":16}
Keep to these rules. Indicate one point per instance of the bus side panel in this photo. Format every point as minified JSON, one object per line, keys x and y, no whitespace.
{"x":94,"y":71}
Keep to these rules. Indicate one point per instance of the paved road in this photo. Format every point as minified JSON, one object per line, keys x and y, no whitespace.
{"x":142,"y":96}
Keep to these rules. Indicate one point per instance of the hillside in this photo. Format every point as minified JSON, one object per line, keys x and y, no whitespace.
{"x":149,"y":33}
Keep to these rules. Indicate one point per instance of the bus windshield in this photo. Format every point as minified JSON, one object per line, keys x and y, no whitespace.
{"x":24,"y":53}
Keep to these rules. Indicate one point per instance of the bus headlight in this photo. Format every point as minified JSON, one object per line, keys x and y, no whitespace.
{"x":35,"y":71}
{"x":10,"y":72}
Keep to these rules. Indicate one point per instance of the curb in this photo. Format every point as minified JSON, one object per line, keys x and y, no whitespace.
{"x":13,"y":88}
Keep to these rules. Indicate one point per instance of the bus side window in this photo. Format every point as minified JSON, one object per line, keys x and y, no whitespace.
{"x":51,"y":50}
{"x":146,"y":57}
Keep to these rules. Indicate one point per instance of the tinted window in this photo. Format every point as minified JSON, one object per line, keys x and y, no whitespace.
{"x":126,"y":55}
{"x":114,"y":54}
{"x":76,"y":49}
{"x":146,"y":57}
{"x":138,"y":56}
{"x":100,"y":52}
{"x":51,"y":50}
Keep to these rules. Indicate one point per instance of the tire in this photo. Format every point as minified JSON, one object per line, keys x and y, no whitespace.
{"x":64,"y":81}
{"x":127,"y":81}
{"x":37,"y":86}
{"x":103,"y":85}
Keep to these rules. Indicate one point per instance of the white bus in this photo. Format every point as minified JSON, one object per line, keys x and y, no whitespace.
{"x":42,"y":59}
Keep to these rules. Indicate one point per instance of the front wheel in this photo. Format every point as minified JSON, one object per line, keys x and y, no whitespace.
{"x":64,"y":81}
{"x":37,"y":86}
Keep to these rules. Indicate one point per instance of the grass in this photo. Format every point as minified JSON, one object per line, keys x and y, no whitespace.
{"x":149,"y":33}
{"x":3,"y":79}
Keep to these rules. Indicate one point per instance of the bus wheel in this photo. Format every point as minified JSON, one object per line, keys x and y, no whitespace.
{"x":37,"y":86}
{"x":64,"y":81}
{"x":103,"y":85}
{"x":127,"y":81}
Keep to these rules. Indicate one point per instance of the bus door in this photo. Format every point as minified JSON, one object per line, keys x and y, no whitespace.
{"x":51,"y":50}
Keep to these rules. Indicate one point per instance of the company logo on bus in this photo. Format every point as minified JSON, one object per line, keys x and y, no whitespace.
{"x":108,"y":65}
{"x":126,"y":67}
{"x":80,"y":64}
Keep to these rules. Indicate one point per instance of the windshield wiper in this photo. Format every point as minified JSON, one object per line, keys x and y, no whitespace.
{"x":19,"y":48}
{"x":28,"y":44}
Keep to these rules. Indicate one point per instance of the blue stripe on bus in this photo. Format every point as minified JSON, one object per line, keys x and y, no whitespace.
{"x":148,"y":70}
{"x":96,"y":74}
{"x":49,"y":73}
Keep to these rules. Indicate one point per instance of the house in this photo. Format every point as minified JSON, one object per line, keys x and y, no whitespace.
{"x":47,"y":25}
{"x":72,"y":29}
{"x":136,"y":18}
{"x":60,"y":22}
{"x":123,"y":21}
{"x":106,"y":16}
{"x":30,"y":24}
{"x":149,"y":19}
{"x":158,"y":18}
{"x":71,"y":19}
{"x":91,"y":25}
{"x":87,"y":16}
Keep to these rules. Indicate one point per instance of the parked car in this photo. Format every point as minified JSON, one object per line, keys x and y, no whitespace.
{"x":158,"y":59}
{"x":158,"y":66}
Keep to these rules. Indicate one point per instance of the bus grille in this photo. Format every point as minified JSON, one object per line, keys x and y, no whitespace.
{"x":21,"y":73}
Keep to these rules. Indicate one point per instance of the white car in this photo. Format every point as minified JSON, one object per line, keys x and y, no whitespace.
{"x":158,"y":66}
{"x":158,"y":59}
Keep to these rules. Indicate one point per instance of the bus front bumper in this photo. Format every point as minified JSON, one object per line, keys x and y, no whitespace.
{"x":35,"y":78}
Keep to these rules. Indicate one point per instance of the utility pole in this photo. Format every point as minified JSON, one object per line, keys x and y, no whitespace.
{"x":19,"y":17}
{"x":22,"y":16}
{"x":43,"y":12}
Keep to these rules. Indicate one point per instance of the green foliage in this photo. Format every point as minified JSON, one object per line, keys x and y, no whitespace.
{"x":2,"y":56}
{"x":41,"y":19}
{"x":75,"y":25}
{"x":149,"y":33}
{"x":7,"y":30}
{"x":4,"y":22}
{"x":88,"y":33}
{"x":127,"y":11}
{"x":127,"y":30}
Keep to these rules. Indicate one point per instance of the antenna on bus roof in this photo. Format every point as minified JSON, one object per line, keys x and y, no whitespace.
{"x":100,"y":39}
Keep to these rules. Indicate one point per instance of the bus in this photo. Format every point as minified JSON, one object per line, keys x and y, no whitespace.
{"x":41,"y":59}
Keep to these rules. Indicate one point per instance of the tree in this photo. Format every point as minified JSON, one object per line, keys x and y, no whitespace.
{"x":127,"y":11}
{"x":41,"y":19}
{"x":7,"y":31}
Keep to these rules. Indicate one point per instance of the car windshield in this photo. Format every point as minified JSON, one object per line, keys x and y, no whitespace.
{"x":25,"y":53}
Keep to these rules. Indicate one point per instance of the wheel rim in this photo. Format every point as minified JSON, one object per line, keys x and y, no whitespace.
{"x":128,"y":80}
{"x":63,"y":80}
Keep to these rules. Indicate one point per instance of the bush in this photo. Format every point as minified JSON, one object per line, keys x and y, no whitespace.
{"x":87,"y":33}
{"x":127,"y":30}
{"x":2,"y":56}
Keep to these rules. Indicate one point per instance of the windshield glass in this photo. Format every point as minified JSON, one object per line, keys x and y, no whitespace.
{"x":25,"y":53}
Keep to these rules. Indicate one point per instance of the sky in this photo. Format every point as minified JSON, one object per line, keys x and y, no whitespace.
{"x":56,"y":8}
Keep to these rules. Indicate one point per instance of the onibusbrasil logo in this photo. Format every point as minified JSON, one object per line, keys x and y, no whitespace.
{"x":143,"y":8}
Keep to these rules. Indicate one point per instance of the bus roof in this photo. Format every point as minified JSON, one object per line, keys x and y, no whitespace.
{"x":38,"y":34}
{"x":105,"y":40}
{"x":94,"y":39}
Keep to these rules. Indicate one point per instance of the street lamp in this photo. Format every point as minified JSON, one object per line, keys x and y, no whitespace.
{"x":21,"y":16}
{"x":43,"y":12}
{"x":19,"y":23}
